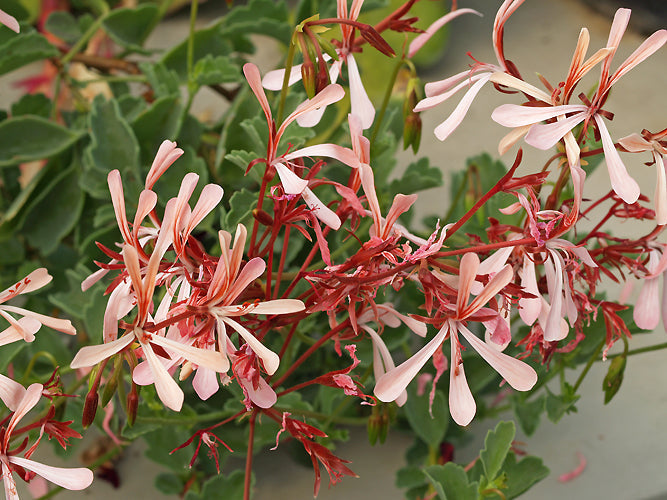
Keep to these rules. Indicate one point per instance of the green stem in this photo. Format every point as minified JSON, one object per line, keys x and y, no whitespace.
{"x":191,"y":40}
{"x":283,"y":91}
{"x":592,"y":360}
{"x":385,"y":100}
{"x":80,"y":44}
{"x":631,"y":352}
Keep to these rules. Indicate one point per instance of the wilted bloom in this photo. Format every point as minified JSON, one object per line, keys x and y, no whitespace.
{"x":71,"y":479}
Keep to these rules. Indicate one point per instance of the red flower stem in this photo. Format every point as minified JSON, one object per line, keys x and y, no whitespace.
{"x":482,"y":201}
{"x":310,"y":351}
{"x":167,"y":322}
{"x":269,"y":265}
{"x":605,"y":197}
{"x":490,"y":246}
{"x":304,"y":266}
{"x":281,"y":265}
{"x":248,"y":459}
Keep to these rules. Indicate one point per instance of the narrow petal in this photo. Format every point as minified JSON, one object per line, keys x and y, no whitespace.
{"x":70,"y":479}
{"x":518,"y":374}
{"x":9,"y":21}
{"x":23,"y":329}
{"x":660,"y":196}
{"x":205,"y":383}
{"x":621,"y":182}
{"x":251,"y":73}
{"x":263,"y":396}
{"x":8,"y":481}
{"x":508,"y":80}
{"x":545,"y":136}
{"x":331,"y":93}
{"x":270,"y":359}
{"x":210,"y":196}
{"x":278,"y":306}
{"x":167,"y":389}
{"x":467,"y":274}
{"x":392,"y":384}
{"x":443,"y":130}
{"x":273,"y":80}
{"x":62,"y":325}
{"x":647,"y":308}
{"x":419,"y":42}
{"x":360,"y":104}
{"x":202,"y":357}
{"x":118,"y":202}
{"x":399,"y":206}
{"x":250,"y":272}
{"x":292,"y":183}
{"x":529,"y":308}
{"x":93,"y":354}
{"x":554,"y":271}
{"x":340,"y":153}
{"x":382,"y":361}
{"x":645,"y":50}
{"x":462,"y":405}
{"x":635,"y":143}
{"x":11,"y":392}
{"x":34,"y":281}
{"x":30,"y":398}
{"x":167,"y":154}
{"x":320,"y":210}
{"x":495,"y":285}
{"x":512,"y":115}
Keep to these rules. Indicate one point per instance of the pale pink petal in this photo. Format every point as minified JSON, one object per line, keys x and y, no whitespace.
{"x":147,"y":202}
{"x":382,"y":361}
{"x":205,"y":383}
{"x":251,"y":73}
{"x":312,"y":118}
{"x":292,"y":183}
{"x":554,"y":271}
{"x":121,"y":302}
{"x":529,"y":308}
{"x":419,"y":42}
{"x":9,"y":21}
{"x":62,"y":325}
{"x":71,"y":479}
{"x":8,"y":481}
{"x":93,"y":354}
{"x":270,"y":359}
{"x":621,"y":182}
{"x":360,"y":104}
{"x":635,"y":143}
{"x":646,"y":49}
{"x":496,"y":261}
{"x":203,"y":357}
{"x":462,"y":405}
{"x":34,"y":281}
{"x":331,"y":93}
{"x":118,"y":202}
{"x":512,"y":115}
{"x":618,"y":26}
{"x":511,"y":138}
{"x":518,"y":374}
{"x":95,"y":277}
{"x":31,"y":397}
{"x":210,"y":196}
{"x":340,"y":153}
{"x":443,"y":130}
{"x":167,"y":154}
{"x":23,"y":329}
{"x":391,"y":385}
{"x":360,"y":144}
{"x":647,"y":308}
{"x":250,"y":272}
{"x":467,"y":274}
{"x":663,"y":309}
{"x":495,"y":285}
{"x":11,"y":392}
{"x":278,"y":306}
{"x":368,"y":184}
{"x":264,"y":396}
{"x":399,"y":206}
{"x":433,"y":89}
{"x":507,"y":80}
{"x":273,"y":80}
{"x":660,"y":196}
{"x":167,"y":389}
{"x":545,"y":136}
{"x":320,"y":210}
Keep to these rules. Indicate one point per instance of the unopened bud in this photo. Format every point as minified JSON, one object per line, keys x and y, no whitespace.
{"x":262,"y":217}
{"x":412,"y":132}
{"x":132,"y":405}
{"x":322,"y":79}
{"x":308,"y":76}
{"x":374,"y":38}
{"x":89,"y":408}
{"x":614,"y":378}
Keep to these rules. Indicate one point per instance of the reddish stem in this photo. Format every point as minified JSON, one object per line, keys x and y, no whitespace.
{"x":248,"y":460}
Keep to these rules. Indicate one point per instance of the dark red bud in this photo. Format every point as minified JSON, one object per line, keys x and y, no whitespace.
{"x":89,"y":408}
{"x":309,"y":76}
{"x":262,"y":217}
{"x":132,"y":405}
{"x":369,"y":34}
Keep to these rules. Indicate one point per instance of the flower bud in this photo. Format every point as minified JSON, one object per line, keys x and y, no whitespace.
{"x":89,"y":408}
{"x":308,"y":76}
{"x":262,"y":217}
{"x":132,"y":405}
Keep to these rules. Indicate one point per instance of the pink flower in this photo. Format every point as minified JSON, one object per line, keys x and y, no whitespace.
{"x":71,"y":479}
{"x":461,"y":403}
{"x":361,"y":105}
{"x":26,"y":327}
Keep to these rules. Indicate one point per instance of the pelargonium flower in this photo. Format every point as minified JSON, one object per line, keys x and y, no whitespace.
{"x":26,"y":327}
{"x":68,"y":478}
{"x":462,"y":406}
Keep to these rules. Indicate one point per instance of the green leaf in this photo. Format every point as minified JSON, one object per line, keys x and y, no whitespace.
{"x":24,"y":49}
{"x":410,"y":477}
{"x":222,"y":487}
{"x":265,"y":17}
{"x":431,"y":430}
{"x":113,"y":146}
{"x":159,"y":122}
{"x":63,"y":25}
{"x":169,"y":484}
{"x":32,"y":104}
{"x":418,"y":176}
{"x":559,"y":405}
{"x":28,"y":138}
{"x":130,"y":27}
{"x":206,"y":41}
{"x":528,"y":413}
{"x":242,"y":204}
{"x":523,"y":475}
{"x":163,"y":81}
{"x":215,"y":70}
{"x":614,"y":378}
{"x":451,"y":482}
{"x":52,"y":216}
{"x":496,"y":446}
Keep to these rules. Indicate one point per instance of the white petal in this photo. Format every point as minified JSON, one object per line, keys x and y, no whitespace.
{"x":71,"y":479}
